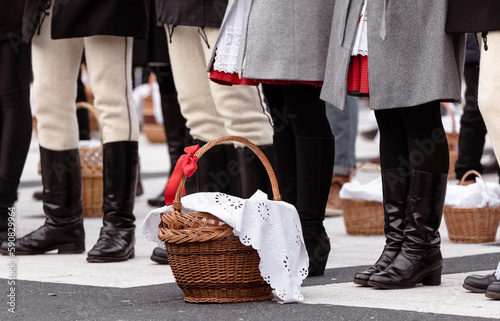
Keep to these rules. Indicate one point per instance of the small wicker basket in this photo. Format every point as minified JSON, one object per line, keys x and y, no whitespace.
{"x":362,"y":217}
{"x":208,"y":261}
{"x":91,"y":159}
{"x":471,"y":224}
{"x":154,"y":133}
{"x":452,"y":142}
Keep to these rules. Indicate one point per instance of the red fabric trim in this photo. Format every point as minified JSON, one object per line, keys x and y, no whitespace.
{"x":357,"y":78}
{"x":223,"y":78}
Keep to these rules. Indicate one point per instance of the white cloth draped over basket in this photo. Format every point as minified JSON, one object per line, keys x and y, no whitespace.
{"x":370,"y":191}
{"x":477,"y":195}
{"x":271,"y":227}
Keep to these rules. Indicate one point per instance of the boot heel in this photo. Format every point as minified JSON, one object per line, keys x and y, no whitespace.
{"x":71,"y":249}
{"x":433,"y":278}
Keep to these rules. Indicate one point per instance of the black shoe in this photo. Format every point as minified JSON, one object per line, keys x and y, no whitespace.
{"x":158,"y":201}
{"x":38,"y":195}
{"x":493,"y":291}
{"x":479,"y":283}
{"x":159,"y":256}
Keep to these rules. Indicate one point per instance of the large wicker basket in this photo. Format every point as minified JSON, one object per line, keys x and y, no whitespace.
{"x":362,"y":217}
{"x":471,"y":224}
{"x":208,"y":261}
{"x":91,"y":162}
{"x":452,"y":142}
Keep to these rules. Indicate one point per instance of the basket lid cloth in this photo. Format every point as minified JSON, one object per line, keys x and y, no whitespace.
{"x":271,"y":227}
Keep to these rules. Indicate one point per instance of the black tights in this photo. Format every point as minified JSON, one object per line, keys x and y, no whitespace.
{"x":15,"y":113}
{"x":297,"y":110}
{"x":414,"y":138}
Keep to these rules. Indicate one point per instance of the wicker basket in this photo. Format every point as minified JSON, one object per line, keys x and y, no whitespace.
{"x":452,"y":142}
{"x":208,"y":261}
{"x":363,"y":217}
{"x":154,"y":133}
{"x":91,"y":162}
{"x":471,"y":224}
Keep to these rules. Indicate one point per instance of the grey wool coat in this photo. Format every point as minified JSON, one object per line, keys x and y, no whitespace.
{"x":284,"y":40}
{"x":411,"y":60}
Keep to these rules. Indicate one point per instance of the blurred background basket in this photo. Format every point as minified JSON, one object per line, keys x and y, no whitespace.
{"x":362,"y":217}
{"x":154,"y":132}
{"x":471,"y":224}
{"x":208,"y":261}
{"x":91,"y":159}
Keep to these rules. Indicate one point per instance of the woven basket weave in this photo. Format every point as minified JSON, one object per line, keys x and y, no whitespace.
{"x":363,"y":217}
{"x":208,"y":261}
{"x":471,"y":224}
{"x":91,"y":159}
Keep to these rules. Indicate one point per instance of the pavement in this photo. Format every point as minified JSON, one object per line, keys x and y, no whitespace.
{"x":66,"y":287}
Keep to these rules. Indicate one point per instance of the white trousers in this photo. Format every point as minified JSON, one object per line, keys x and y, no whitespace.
{"x":212,"y":110}
{"x":55,"y":70}
{"x":489,"y":88}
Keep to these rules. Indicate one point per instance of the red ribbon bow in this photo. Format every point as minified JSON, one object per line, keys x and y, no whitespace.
{"x":187,"y":165}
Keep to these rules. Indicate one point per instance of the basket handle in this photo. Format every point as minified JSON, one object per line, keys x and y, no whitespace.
{"x":462,"y":181}
{"x":361,"y":166}
{"x":452,"y":114}
{"x":247,"y":143}
{"x":90,"y":108}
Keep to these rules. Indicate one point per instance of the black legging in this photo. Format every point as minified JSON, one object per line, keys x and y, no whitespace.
{"x":15,"y":112}
{"x":297,"y":109}
{"x":413,"y":137}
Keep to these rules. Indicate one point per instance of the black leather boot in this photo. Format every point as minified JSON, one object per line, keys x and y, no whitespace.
{"x":62,"y":204}
{"x":395,"y":183}
{"x":285,"y":167}
{"x":117,"y":238}
{"x":253,"y":174}
{"x":315,"y":157}
{"x":8,"y":194}
{"x":419,"y":260}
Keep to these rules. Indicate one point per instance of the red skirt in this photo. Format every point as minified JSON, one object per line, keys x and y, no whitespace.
{"x":223,"y":78}
{"x":357,"y":77}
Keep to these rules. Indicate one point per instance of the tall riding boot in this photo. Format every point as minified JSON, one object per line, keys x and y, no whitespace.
{"x":395,"y":183}
{"x":253,"y":174}
{"x":8,"y":194}
{"x":117,"y":238}
{"x":286,"y":167}
{"x":419,"y":260}
{"x":315,"y":156}
{"x":62,"y":204}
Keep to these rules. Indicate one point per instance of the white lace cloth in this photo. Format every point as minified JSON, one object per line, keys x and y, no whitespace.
{"x":361,"y":42}
{"x":272,"y":228}
{"x":478,"y":195}
{"x":228,"y":46}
